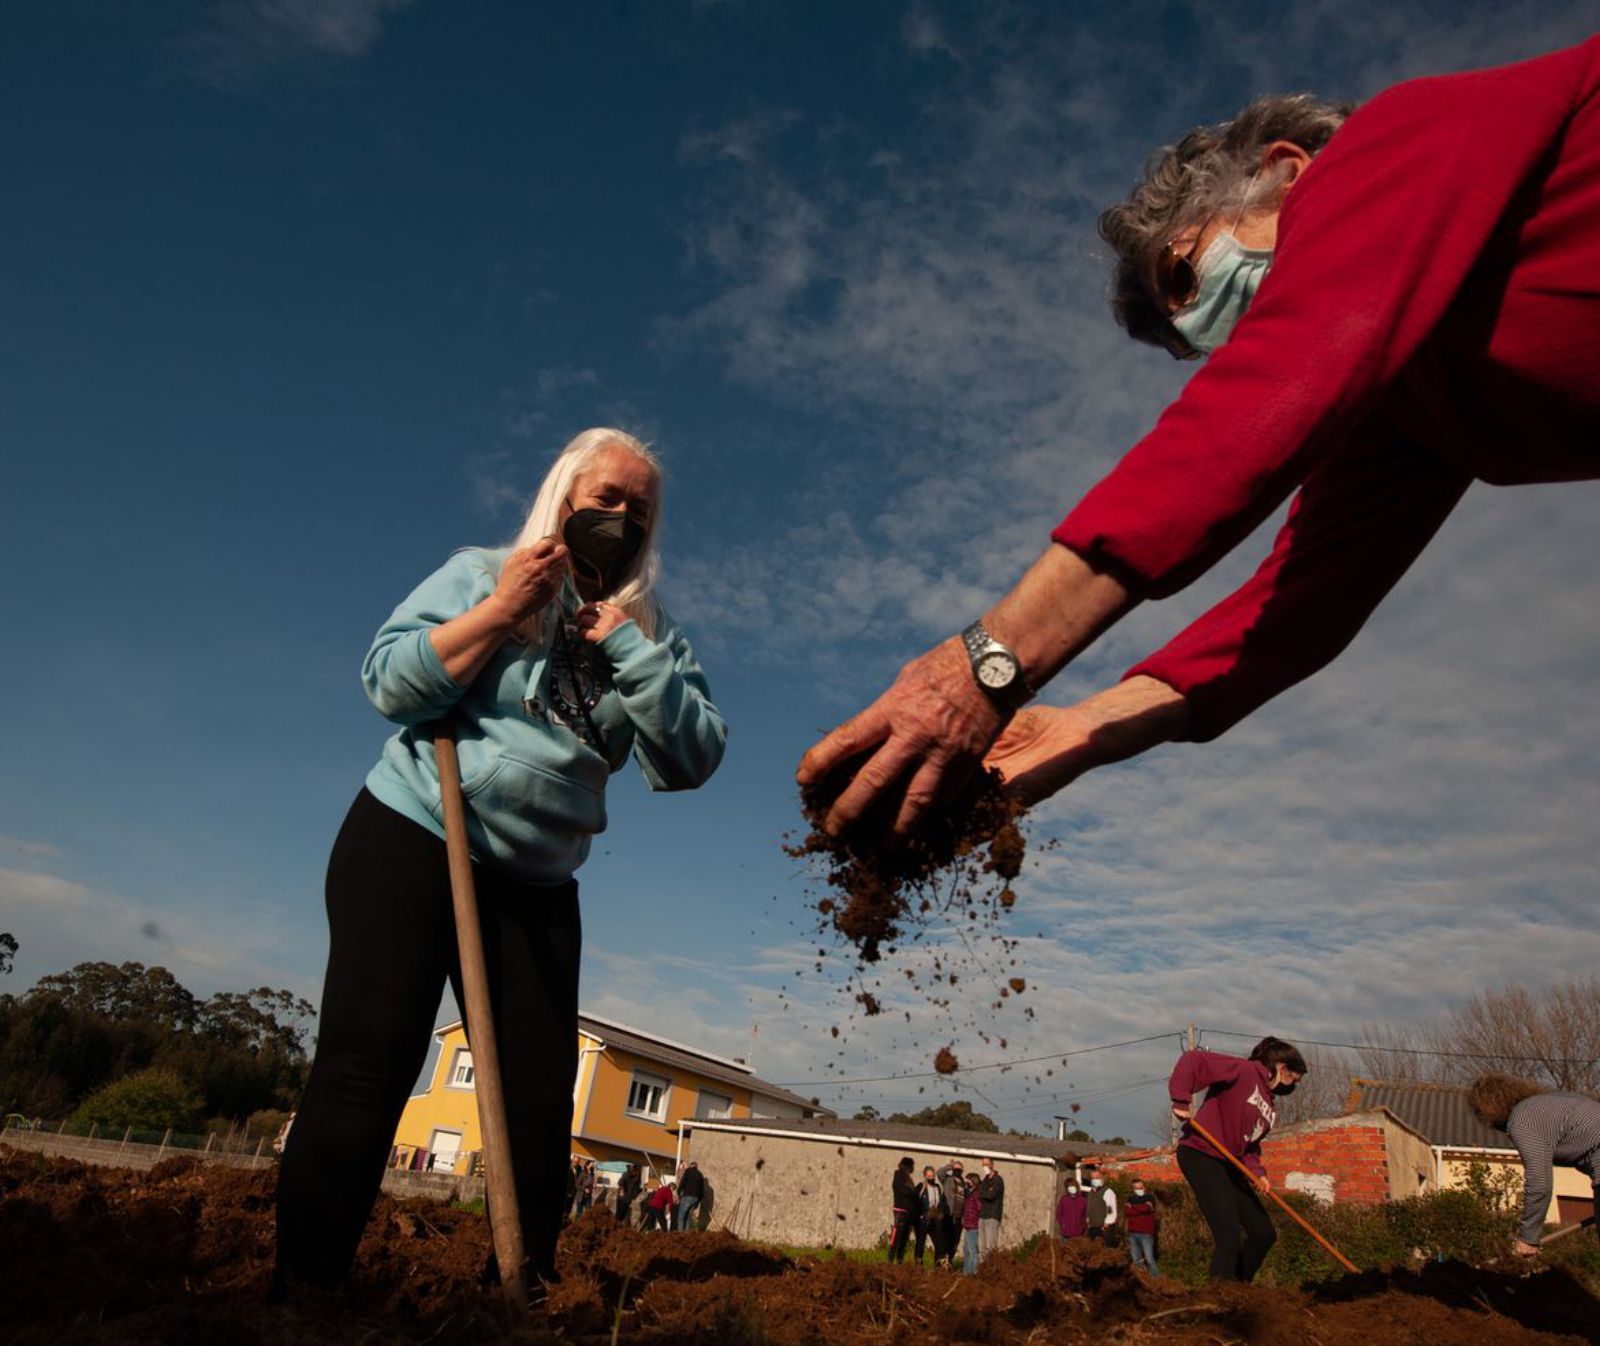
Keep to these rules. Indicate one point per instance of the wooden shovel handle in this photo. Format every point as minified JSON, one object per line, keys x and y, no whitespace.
{"x":505,"y":1219}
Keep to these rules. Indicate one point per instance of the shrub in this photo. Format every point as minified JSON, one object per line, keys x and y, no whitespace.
{"x":150,"y":1100}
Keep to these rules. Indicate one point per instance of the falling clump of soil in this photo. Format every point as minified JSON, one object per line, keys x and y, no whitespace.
{"x":947,"y":889}
{"x":883,"y":890}
{"x":945,"y":1062}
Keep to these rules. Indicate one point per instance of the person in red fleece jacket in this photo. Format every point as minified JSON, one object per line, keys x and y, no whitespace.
{"x":1239,"y":1110}
{"x":1427,"y":315}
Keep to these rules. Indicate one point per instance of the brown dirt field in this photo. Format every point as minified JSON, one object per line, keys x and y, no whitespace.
{"x":182,"y":1254}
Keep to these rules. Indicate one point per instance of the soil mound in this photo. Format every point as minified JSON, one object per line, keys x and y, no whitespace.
{"x":182,"y":1254}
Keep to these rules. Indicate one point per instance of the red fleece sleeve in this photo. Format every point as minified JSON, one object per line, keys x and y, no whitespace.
{"x":1362,"y":518}
{"x":1374,"y":242}
{"x":1199,"y":1070}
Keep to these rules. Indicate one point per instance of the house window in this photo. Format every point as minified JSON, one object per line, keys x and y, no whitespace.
{"x":461,"y":1069}
{"x":647,"y":1096}
{"x":709,"y":1106}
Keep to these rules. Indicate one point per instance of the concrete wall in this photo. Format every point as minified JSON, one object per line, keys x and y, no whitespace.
{"x":118,"y":1155}
{"x":113,"y":1154}
{"x":830,"y":1191}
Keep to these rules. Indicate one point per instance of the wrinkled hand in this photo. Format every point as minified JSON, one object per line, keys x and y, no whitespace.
{"x":1524,"y":1249}
{"x":596,"y":621}
{"x":1263,"y":1184}
{"x":926,"y":734}
{"x":1043,"y":750}
{"x":530,"y":578}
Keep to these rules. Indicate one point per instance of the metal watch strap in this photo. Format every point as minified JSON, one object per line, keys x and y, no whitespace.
{"x":979,"y":642}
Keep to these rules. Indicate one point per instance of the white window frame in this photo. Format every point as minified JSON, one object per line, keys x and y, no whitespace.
{"x":722,"y":1112}
{"x":645,"y":1080}
{"x":462,"y":1058}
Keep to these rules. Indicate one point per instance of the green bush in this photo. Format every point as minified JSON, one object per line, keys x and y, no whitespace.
{"x":1454,"y":1224}
{"x":153,"y":1100}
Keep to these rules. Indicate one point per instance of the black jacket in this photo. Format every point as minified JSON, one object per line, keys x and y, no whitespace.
{"x":904,"y":1188}
{"x":992,"y":1197}
{"x":692,"y":1183}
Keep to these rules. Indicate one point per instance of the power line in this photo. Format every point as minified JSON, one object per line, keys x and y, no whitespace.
{"x":992,"y":1065}
{"x":1425,"y":1051}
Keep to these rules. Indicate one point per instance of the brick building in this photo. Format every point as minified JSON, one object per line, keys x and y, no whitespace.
{"x":1363,"y":1157}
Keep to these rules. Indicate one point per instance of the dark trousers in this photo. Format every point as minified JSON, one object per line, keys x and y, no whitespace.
{"x":392,"y":948}
{"x":905,"y":1224}
{"x":1240,"y":1226}
{"x":932,"y":1229}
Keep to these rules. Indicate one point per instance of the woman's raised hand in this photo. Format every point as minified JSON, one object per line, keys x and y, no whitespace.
{"x":596,"y":621}
{"x":530,"y":578}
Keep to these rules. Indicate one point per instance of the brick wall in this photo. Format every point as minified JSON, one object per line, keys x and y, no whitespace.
{"x":1336,"y":1158}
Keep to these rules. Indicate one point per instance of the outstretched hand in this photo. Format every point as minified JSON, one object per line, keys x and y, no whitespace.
{"x":925,"y":736}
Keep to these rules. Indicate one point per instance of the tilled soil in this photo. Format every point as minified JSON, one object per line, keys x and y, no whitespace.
{"x":182,"y":1254}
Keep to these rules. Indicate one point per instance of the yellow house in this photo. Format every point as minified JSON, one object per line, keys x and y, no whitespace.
{"x":633,"y":1090}
{"x":1458,"y":1140}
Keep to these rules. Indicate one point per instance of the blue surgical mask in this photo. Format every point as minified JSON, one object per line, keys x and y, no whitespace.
{"x":1230,"y":274}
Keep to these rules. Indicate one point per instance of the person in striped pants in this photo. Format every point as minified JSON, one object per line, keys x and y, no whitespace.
{"x":1548,"y":1127}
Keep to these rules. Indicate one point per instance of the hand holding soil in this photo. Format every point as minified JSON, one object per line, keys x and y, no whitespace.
{"x":921,"y":740}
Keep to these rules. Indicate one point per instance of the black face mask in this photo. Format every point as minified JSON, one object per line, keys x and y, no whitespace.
{"x":603,"y":545}
{"x":1282,"y":1089}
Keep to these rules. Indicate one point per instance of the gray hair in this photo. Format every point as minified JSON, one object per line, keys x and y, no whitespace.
{"x":1212,"y":169}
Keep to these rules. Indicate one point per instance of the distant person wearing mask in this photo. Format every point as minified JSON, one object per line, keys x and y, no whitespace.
{"x":1072,"y":1213}
{"x":691,"y":1192}
{"x":954,"y":1183}
{"x":554,"y":663}
{"x":933,"y":1213}
{"x":1239,"y":1110}
{"x":971,"y":1219}
{"x":906,"y":1201}
{"x":1548,"y":1127}
{"x":1102,"y":1210}
{"x":992,"y":1193}
{"x":1139,"y":1217}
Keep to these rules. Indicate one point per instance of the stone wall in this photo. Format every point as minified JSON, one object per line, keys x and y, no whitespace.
{"x":833,"y":1191}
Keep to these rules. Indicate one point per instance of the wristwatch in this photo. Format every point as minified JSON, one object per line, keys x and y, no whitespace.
{"x":995,"y":668}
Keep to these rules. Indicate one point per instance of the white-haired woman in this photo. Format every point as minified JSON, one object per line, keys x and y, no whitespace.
{"x":553,"y":661}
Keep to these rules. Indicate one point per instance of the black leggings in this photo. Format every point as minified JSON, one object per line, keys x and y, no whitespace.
{"x":392,"y":946}
{"x":1232,"y":1209}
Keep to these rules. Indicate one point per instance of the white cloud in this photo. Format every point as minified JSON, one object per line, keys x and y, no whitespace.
{"x":243,"y":37}
{"x":59,"y":923}
{"x":1410,"y":826}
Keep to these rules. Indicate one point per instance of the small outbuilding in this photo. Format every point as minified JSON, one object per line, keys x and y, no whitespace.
{"x":823,"y":1182}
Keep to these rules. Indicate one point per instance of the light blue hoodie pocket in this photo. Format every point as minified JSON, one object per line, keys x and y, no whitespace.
{"x":521,"y":809}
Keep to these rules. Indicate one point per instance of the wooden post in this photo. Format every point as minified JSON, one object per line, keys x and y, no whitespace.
{"x":125,"y":1136}
{"x":259,"y":1144}
{"x":210,"y":1136}
{"x":505,"y":1219}
{"x":163,"y":1149}
{"x":93,"y":1127}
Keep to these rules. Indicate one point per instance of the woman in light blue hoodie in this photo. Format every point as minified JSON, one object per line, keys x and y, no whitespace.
{"x":553,"y":662}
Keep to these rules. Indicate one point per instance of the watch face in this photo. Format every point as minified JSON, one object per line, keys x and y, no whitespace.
{"x":997,"y":669}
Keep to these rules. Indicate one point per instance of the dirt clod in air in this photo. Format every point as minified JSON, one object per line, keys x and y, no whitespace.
{"x":1018,"y":984}
{"x":945,"y":1062}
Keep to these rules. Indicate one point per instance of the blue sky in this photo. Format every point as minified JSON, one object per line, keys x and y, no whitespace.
{"x":302,"y":295}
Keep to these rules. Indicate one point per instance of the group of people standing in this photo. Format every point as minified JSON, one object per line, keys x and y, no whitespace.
{"x":671,"y":1202}
{"x":950,"y":1210}
{"x":1089,"y":1210}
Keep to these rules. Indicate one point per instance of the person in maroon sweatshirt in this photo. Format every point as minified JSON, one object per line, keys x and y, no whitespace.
{"x":1072,"y":1213}
{"x":1239,"y":1110}
{"x":1427,"y":315}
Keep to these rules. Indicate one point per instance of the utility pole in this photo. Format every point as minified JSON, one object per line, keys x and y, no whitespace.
{"x":1191,"y":1042}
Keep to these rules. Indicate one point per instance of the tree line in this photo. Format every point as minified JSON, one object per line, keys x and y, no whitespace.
{"x":130,"y":1045}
